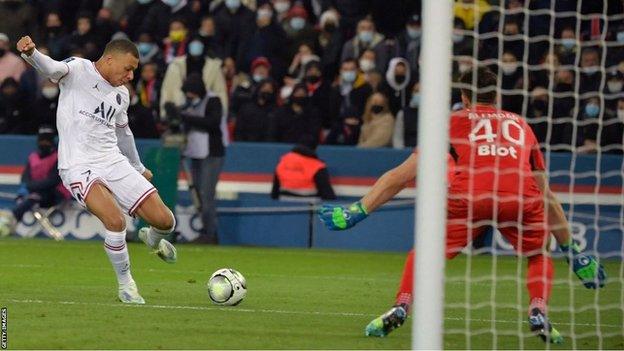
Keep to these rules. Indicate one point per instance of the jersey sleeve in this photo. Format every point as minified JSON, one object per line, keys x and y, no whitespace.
{"x":536,"y":158}
{"x":122,"y":118}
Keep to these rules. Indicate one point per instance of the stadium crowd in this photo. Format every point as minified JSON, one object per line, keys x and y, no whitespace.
{"x":342,"y":72}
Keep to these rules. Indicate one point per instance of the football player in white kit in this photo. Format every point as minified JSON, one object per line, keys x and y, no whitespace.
{"x":98,"y":161}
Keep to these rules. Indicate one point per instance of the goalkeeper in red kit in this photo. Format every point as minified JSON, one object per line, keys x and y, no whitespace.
{"x":499,"y":181}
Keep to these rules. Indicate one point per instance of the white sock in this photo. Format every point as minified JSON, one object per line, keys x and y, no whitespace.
{"x":115,"y":247}
{"x":155,"y":235}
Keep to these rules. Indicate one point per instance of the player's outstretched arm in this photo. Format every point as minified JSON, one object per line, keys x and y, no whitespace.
{"x":125,"y":141}
{"x":42,"y":63}
{"x":385,"y":188}
{"x":586,"y":267}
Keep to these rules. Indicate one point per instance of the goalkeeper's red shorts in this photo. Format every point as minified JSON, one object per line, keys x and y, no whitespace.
{"x":522,"y":223}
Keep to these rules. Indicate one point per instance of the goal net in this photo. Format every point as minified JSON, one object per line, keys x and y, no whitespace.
{"x":560,"y":64}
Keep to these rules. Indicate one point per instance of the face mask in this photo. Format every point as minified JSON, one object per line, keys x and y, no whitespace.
{"x":298,"y":100}
{"x":145,"y":48}
{"x":591,"y":70}
{"x":413,"y":33}
{"x":399,"y":78}
{"x":615,"y":87}
{"x":348,"y":76}
{"x":143,"y":2}
{"x":592,"y":110}
{"x":464,"y":67}
{"x":620,"y":37}
{"x":313,"y":79}
{"x":233,"y":5}
{"x":330,"y":27}
{"x":376,"y":109}
{"x":196,"y":48}
{"x":568,"y":43}
{"x":297,"y":23}
{"x":44,"y":150}
{"x":458,"y":38}
{"x":281,"y":6}
{"x":171,"y":3}
{"x":367,"y":65}
{"x":266,"y":96}
{"x":415,"y":100}
{"x":177,"y":36}
{"x":49,"y":92}
{"x":264,"y":14}
{"x":365,"y":36}
{"x":509,"y":68}
{"x":2,"y":52}
{"x":620,"y":115}
{"x":257,"y":78}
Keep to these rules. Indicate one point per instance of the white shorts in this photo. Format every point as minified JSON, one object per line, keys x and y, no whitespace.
{"x":127,"y":185}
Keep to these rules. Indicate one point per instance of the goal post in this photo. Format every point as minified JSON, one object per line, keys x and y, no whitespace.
{"x":430,"y":226}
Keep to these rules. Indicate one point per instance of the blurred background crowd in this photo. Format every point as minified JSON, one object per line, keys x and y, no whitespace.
{"x":340,"y":72}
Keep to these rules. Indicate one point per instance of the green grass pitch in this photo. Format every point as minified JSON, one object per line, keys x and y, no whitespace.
{"x":63,"y":295}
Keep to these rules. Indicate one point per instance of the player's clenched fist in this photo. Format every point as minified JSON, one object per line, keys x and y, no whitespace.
{"x":340,"y":218}
{"x":26,"y":46}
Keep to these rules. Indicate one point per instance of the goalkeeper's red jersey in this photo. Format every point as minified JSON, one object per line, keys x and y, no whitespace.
{"x":495,"y":152}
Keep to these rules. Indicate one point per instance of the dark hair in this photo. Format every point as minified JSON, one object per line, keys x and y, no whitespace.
{"x":485,"y":89}
{"x":122,"y":46}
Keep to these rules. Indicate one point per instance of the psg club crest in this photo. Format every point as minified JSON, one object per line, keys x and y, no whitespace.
{"x":118,"y":99}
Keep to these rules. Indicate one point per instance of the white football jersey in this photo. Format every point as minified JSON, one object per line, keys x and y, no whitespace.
{"x":89,"y":110}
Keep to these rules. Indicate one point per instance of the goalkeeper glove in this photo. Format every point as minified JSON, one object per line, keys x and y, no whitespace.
{"x":341,"y":218}
{"x":589,"y":271}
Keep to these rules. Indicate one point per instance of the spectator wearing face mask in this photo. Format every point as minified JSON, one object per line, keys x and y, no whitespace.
{"x":406,"y":124}
{"x":46,"y":104}
{"x":54,"y":36}
{"x":591,"y":114}
{"x":329,"y":44}
{"x":298,"y":30}
{"x":319,"y":90}
{"x":40,"y":180}
{"x":409,"y":42}
{"x":297,"y":119}
{"x":463,"y":40}
{"x":175,"y":44}
{"x":267,"y":40}
{"x":281,"y":10}
{"x":567,"y":47}
{"x":182,"y":67}
{"x":234,"y":23}
{"x":157,"y":18}
{"x":149,"y":51}
{"x":10,"y":64}
{"x":511,"y":80}
{"x":260,"y":70}
{"x":609,"y":133}
{"x":346,"y":102}
{"x":397,"y":84}
{"x":367,"y":38}
{"x":254,"y":117}
{"x":367,"y":63}
{"x":207,"y":34}
{"x":378,"y":123}
{"x":14,"y":113}
{"x":614,"y":89}
{"x":590,"y":73}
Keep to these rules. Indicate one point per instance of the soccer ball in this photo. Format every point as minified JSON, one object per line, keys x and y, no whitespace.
{"x":227,"y":287}
{"x":7,"y":223}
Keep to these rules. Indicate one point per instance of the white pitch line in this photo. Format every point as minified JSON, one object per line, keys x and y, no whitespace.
{"x":248,"y":310}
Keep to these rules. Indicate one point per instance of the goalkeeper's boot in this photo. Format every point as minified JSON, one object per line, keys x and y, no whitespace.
{"x":128,"y":293}
{"x":165,"y":250}
{"x":387,"y":322}
{"x":540,"y":326}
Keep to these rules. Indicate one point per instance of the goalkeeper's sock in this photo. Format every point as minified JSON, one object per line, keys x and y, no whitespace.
{"x":539,"y":277}
{"x":115,"y":247}
{"x":404,"y":295}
